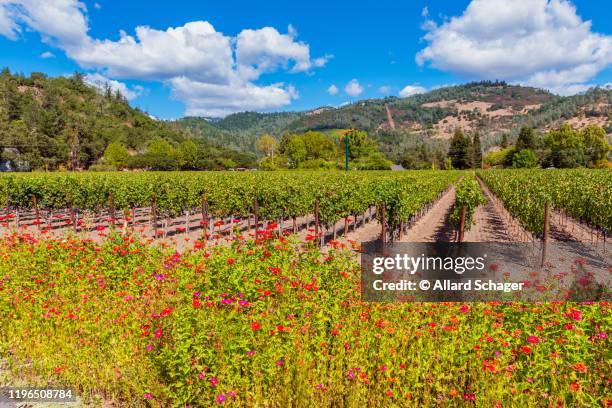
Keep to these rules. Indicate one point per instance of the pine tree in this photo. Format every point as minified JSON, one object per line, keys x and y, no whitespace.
{"x":459,"y":151}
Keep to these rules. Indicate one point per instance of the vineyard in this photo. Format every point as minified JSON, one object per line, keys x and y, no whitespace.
{"x":92,"y":297}
{"x":156,"y":200}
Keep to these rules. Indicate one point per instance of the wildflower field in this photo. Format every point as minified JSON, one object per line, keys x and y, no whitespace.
{"x":261,"y":304}
{"x":277,"y":323}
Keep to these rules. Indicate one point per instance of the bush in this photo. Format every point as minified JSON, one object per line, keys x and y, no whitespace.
{"x":525,"y":158}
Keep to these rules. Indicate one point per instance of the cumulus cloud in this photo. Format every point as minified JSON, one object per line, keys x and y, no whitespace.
{"x":385,"y":89}
{"x":194,"y":53}
{"x":332,"y":90}
{"x":101,"y":82}
{"x":543,"y":43}
{"x":353,"y":88}
{"x":218,"y":100}
{"x":47,"y":55}
{"x":410,"y":90}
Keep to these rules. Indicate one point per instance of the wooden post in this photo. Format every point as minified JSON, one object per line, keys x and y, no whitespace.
{"x":73,"y":218}
{"x":294,"y":225}
{"x":383,"y":225}
{"x":36,"y":210}
{"x":401,"y":231}
{"x":154,"y":216}
{"x":545,"y":232}
{"x":111,"y":209}
{"x":316,"y":215}
{"x":462,"y":223}
{"x":346,"y":226}
{"x":255,"y":213}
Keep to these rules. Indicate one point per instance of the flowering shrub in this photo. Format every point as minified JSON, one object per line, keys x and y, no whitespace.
{"x":277,"y":324}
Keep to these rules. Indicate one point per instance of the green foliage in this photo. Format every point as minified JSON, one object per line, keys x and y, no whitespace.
{"x":525,"y":158}
{"x":526,"y":139}
{"x":499,"y":158}
{"x":57,"y":123}
{"x":468,"y":195}
{"x":476,"y":151}
{"x":116,"y":155}
{"x":460,"y":150}
{"x":584,"y":194}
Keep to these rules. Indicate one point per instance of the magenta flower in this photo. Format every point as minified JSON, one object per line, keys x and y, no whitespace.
{"x":214,"y":381}
{"x":221,"y":398}
{"x":148,"y":395}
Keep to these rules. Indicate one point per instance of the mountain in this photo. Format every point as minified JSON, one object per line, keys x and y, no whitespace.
{"x":55,"y":123}
{"x":492,"y":108}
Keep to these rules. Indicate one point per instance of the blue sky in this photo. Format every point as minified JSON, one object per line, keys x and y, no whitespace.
{"x":214,"y":58}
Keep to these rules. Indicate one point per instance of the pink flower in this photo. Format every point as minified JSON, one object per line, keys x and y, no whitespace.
{"x":148,"y":396}
{"x":533,"y":339}
{"x":214,"y":381}
{"x":280,"y":363}
{"x":221,"y":398}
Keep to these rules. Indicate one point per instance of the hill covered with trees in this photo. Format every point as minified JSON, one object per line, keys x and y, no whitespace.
{"x":494,"y":109}
{"x":64,"y":123}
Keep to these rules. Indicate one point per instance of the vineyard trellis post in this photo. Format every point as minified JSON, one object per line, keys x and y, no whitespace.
{"x":36,"y":211}
{"x":545,"y":232}
{"x":256,"y":215}
{"x":462,"y":223}
{"x":316,"y":215}
{"x":383,"y":225}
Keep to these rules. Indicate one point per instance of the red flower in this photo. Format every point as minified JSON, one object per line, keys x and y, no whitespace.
{"x":574,"y":314}
{"x":575,"y":387}
{"x":580,"y":367}
{"x":526,"y":349}
{"x":256,"y":326}
{"x":231,"y":261}
{"x":533,"y":339}
{"x":196,"y":303}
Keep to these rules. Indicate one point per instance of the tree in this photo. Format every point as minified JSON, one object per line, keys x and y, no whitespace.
{"x":160,"y":146}
{"x":476,"y":150}
{"x":187,"y":155}
{"x":504,"y":141}
{"x":459,"y":151}
{"x":526,"y":139}
{"x":116,"y":155}
{"x":319,"y":146}
{"x":296,"y":150}
{"x":266,"y":145}
{"x":595,"y":144}
{"x":566,"y":147}
{"x":525,"y":158}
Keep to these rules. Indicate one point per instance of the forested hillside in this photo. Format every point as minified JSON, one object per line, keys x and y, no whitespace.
{"x":55,"y":123}
{"x":492,"y":108}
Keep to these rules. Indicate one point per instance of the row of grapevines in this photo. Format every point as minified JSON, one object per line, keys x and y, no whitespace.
{"x":584,"y":194}
{"x":468,"y":195}
{"x":275,"y":195}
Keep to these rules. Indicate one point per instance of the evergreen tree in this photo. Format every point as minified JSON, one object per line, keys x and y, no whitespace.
{"x":459,"y":151}
{"x":526,"y":139}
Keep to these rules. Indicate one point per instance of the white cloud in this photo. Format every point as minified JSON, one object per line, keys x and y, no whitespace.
{"x":385,"y":89}
{"x":264,"y":50}
{"x":218,"y":100}
{"x":97,"y":6}
{"x":194,"y":53}
{"x":47,"y":54}
{"x":353,"y":88}
{"x":410,"y":90}
{"x":332,"y":90}
{"x":542,"y":43}
{"x":425,"y":12}
{"x":101,"y":82}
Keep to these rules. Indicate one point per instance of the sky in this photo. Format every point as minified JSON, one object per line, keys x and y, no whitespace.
{"x":214,"y":58}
